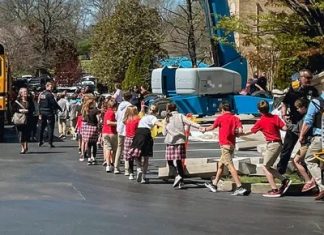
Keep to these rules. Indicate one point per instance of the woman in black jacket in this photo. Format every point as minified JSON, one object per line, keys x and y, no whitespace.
{"x":24,"y":104}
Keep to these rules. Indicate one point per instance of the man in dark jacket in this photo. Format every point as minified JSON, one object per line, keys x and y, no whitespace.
{"x":47,"y":109}
{"x":302,"y":90}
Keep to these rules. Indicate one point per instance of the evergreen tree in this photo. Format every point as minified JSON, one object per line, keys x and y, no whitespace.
{"x":132,"y":29}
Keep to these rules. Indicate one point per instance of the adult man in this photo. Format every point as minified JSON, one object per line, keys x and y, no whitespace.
{"x":47,"y":109}
{"x":304,"y":90}
{"x":121,"y":132}
{"x":313,"y":119}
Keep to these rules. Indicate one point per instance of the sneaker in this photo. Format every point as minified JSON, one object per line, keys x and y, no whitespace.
{"x":139,"y":176}
{"x":131,"y":176}
{"x":177,"y":181}
{"x":116,"y":171}
{"x":81,"y":159}
{"x":240,"y":191}
{"x":211,"y":187}
{"x":40,"y":144}
{"x":144,"y":180}
{"x":273,"y":193}
{"x":284,"y":186}
{"x":127,"y":173}
{"x":89,"y":161}
{"x":111,"y":168}
{"x":108,"y":169}
{"x":181,"y":185}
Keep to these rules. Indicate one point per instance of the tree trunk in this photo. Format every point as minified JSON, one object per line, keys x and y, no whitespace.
{"x":191,"y":36}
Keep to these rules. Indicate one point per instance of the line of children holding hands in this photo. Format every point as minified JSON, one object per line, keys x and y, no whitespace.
{"x":270,"y":125}
{"x":138,"y":143}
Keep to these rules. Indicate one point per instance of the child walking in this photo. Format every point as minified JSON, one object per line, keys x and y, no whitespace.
{"x":109,"y":134}
{"x":142,"y":145}
{"x":131,"y":121}
{"x":175,"y":139}
{"x":298,"y":161}
{"x":229,"y":126}
{"x":270,"y":126}
{"x":78,"y":127}
{"x":90,"y":129}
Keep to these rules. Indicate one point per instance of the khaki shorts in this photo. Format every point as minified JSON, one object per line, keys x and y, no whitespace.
{"x":302,"y":151}
{"x":271,"y":154}
{"x":227,"y":155}
{"x":110,"y":142}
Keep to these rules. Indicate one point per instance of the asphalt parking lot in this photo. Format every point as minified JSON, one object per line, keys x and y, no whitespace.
{"x":48,"y":191}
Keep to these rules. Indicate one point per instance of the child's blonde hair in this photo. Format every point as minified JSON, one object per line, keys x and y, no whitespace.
{"x":131,"y":112}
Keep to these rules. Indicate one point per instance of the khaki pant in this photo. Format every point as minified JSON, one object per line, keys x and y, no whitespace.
{"x":110,"y":142}
{"x":227,"y":156}
{"x":119,"y":151}
{"x":270,"y":156}
{"x":312,"y":163}
{"x":62,"y":126}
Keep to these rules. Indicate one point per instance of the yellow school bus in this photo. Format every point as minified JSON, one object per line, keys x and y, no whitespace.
{"x":4,"y":90}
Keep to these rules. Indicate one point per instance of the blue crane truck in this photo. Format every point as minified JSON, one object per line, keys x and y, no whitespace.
{"x":200,"y":90}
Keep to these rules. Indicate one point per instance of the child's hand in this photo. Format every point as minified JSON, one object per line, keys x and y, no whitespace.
{"x":202,"y":129}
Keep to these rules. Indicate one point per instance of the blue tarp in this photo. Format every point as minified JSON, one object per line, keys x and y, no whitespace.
{"x":181,"y":62}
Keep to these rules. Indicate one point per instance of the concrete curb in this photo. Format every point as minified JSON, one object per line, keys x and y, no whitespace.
{"x":259,"y":188}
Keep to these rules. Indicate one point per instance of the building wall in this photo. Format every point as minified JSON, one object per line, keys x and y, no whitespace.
{"x":245,"y":8}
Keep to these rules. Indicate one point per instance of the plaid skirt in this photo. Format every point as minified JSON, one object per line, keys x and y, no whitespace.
{"x":89,"y":133}
{"x":127,"y":146}
{"x":175,"y":152}
{"x":142,"y":145}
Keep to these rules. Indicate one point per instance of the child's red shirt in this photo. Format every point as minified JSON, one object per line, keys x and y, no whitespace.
{"x":270,"y":125}
{"x":79,"y":122}
{"x":131,"y":126}
{"x":109,"y":116}
{"x":227,"y":124}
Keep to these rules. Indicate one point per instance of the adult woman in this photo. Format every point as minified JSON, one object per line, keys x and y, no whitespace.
{"x":24,"y":104}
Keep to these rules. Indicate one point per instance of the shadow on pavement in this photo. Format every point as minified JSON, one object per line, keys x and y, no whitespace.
{"x":48,"y":152}
{"x":10,"y":135}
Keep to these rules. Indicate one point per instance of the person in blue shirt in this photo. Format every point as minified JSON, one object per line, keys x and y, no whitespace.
{"x":313,"y":120}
